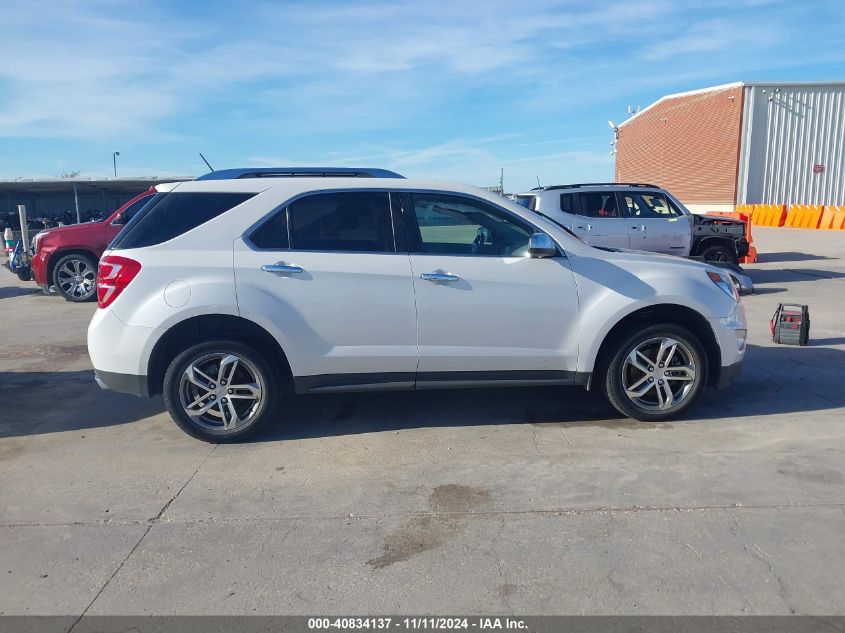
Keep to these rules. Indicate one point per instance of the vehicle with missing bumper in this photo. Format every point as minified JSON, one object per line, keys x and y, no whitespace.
{"x":640,"y":217}
{"x":227,"y":295}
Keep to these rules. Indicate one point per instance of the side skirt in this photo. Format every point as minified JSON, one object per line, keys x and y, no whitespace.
{"x":403,"y":381}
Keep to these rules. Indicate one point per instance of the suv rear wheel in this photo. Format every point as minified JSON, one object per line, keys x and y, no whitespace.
{"x":75,"y":277}
{"x":221,"y":391}
{"x":656,"y":373}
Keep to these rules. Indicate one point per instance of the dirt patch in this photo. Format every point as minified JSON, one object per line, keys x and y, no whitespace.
{"x":424,"y":533}
{"x":416,"y":536}
{"x":44,"y":351}
{"x":10,"y":449}
{"x":457,"y":498}
{"x":813,"y":475}
{"x":50,"y":357}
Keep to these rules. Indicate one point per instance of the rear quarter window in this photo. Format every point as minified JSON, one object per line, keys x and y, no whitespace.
{"x":173,"y":214}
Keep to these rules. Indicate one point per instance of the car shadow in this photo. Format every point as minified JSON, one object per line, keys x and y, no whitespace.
{"x":36,"y":402}
{"x":788,"y":256}
{"x":837,"y":340}
{"x":765,"y":290}
{"x":15,"y":291}
{"x":790,"y":275}
{"x":774,"y":380}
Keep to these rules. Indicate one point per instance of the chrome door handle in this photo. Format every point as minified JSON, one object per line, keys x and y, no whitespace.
{"x":280,"y":267}
{"x":439,"y":277}
{"x":641,"y":227}
{"x":589,"y":227}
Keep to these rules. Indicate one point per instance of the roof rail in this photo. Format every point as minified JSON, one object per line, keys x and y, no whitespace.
{"x":299,"y":172}
{"x":601,"y":184}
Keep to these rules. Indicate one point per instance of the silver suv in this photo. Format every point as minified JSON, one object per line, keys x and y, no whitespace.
{"x":639,"y":217}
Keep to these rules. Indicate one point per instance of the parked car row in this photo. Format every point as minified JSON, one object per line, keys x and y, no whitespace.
{"x":612,"y":215}
{"x":226,"y":293}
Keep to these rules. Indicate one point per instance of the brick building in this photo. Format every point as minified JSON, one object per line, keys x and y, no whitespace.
{"x":740,"y":143}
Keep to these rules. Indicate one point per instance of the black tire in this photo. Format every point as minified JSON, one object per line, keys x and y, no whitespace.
{"x":177,"y":391}
{"x":24,"y":274}
{"x":719,"y":253}
{"x":75,"y":277}
{"x":616,"y":368}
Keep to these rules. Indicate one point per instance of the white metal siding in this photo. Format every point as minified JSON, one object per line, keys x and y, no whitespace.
{"x":786,"y":130}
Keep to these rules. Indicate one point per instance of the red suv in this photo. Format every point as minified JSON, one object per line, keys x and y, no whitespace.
{"x":66,"y":257}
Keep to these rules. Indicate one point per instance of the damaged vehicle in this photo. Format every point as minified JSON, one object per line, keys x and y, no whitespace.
{"x":640,"y":217}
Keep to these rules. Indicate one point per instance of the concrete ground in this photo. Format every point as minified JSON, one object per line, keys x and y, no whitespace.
{"x":532,"y":501}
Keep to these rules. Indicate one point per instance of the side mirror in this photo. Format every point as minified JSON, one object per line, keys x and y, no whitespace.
{"x":541,"y":245}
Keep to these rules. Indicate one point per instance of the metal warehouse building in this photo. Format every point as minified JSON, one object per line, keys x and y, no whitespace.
{"x":740,"y":143}
{"x":53,"y":197}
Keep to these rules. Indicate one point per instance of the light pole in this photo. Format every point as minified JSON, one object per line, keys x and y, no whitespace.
{"x":114,"y":161}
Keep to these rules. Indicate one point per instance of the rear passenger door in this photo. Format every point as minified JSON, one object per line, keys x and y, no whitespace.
{"x":596,"y":218}
{"x":337,"y":287}
{"x":656,"y":224}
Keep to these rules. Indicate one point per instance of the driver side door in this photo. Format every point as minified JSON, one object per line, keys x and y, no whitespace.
{"x":486,"y":311}
{"x":656,"y":224}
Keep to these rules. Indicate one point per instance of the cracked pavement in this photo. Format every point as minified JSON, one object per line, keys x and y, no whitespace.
{"x":526,"y":501}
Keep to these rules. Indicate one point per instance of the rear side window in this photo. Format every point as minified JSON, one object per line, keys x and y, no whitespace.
{"x":174,"y":214}
{"x":350,"y":221}
{"x":529,"y":202}
{"x":599,"y":205}
{"x":273,"y":234}
{"x":568,"y":203}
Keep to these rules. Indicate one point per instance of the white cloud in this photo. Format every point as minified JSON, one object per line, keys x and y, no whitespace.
{"x":142,"y":72}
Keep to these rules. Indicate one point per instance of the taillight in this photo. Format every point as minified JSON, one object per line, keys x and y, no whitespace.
{"x":114,"y":275}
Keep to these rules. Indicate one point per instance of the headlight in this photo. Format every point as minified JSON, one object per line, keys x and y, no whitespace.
{"x":725,"y":283}
{"x":36,"y":241}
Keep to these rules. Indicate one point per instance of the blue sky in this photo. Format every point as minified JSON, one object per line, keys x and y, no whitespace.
{"x":450,"y":90}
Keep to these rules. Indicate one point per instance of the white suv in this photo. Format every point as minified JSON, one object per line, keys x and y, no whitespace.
{"x":223,"y":294}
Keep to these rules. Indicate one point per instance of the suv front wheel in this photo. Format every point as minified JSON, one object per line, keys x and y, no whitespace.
{"x":75,"y":277}
{"x":656,"y":373}
{"x":720,"y":254}
{"x":221,"y":391}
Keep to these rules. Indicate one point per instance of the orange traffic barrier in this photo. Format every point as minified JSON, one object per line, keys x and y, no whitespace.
{"x":794,"y":216}
{"x":833,"y":218}
{"x":747,"y":209}
{"x":751,"y":258}
{"x":804,"y":216}
{"x":769,"y":215}
{"x":812,"y":217}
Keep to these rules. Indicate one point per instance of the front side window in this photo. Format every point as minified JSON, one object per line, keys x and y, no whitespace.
{"x":172,"y":214}
{"x":599,"y":205}
{"x":350,"y":221}
{"x":453,"y":225}
{"x":650,"y":205}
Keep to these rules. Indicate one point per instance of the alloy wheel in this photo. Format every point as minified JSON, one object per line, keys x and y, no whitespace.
{"x":659,"y":374}
{"x":76,"y":278}
{"x":221,"y":391}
